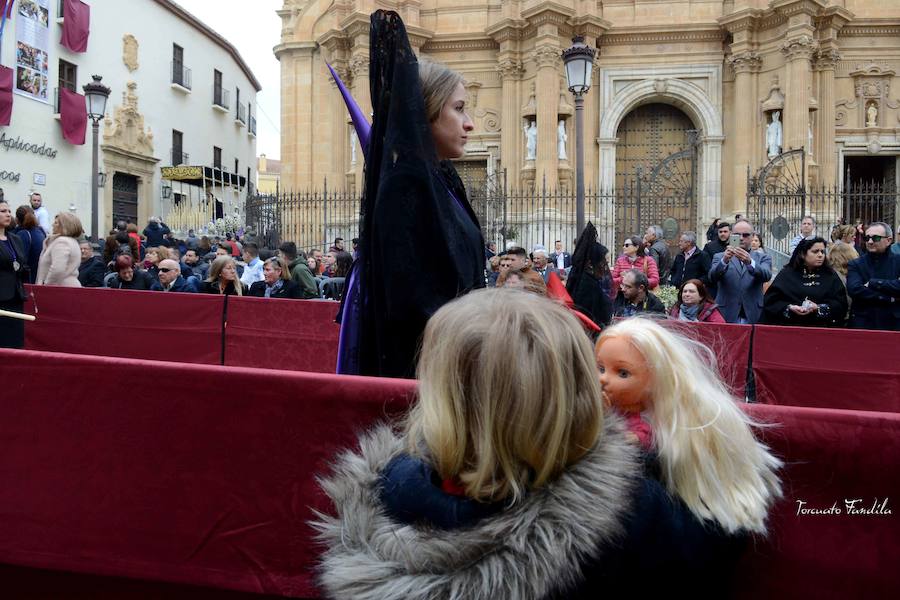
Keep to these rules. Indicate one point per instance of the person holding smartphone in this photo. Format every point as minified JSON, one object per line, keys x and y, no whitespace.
{"x":739,"y":274}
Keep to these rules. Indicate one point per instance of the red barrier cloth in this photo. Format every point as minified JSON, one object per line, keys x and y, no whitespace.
{"x":190,"y":474}
{"x":76,"y":26}
{"x":273,"y":333}
{"x":72,"y":116}
{"x":6,"y":95}
{"x":125,"y":323}
{"x":832,"y":457}
{"x":730,"y":344}
{"x":828,"y":368}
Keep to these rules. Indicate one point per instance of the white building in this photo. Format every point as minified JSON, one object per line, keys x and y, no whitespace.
{"x":181,"y":96}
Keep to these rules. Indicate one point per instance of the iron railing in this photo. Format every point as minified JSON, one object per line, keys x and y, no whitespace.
{"x":179,"y":157}
{"x":221,"y":97}
{"x":251,"y":127}
{"x":241,"y":113}
{"x":181,"y":75}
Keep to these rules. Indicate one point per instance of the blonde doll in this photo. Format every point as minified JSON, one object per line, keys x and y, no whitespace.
{"x":668,"y":388}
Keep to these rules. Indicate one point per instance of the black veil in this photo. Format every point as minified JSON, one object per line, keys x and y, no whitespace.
{"x":583,"y":283}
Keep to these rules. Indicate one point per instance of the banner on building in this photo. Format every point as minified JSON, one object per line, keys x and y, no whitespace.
{"x":32,"y":49}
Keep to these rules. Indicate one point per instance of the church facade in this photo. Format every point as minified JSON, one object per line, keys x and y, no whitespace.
{"x":709,"y":91}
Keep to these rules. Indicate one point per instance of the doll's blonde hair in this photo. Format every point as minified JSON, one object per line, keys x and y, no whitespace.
{"x":708,"y":453}
{"x":508,"y":393}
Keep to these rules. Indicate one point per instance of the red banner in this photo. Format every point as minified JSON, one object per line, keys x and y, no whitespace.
{"x":76,"y":26}
{"x":72,"y":116}
{"x":6,"y":95}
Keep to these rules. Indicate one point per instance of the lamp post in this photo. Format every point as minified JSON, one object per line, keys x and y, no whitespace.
{"x":579,"y":61}
{"x":95,"y":94}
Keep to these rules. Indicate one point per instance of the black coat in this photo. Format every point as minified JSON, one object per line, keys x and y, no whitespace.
{"x":212,"y":287}
{"x":876,"y":306}
{"x":155,"y":234}
{"x":288,"y":289}
{"x":824,"y":288}
{"x":12,"y":282}
{"x":651,"y":304}
{"x":695,"y":268}
{"x":91,"y":272}
{"x":141,"y":281}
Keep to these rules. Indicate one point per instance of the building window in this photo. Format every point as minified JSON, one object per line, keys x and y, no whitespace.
{"x":181,"y":75}
{"x":68,"y":77}
{"x":220,"y":95}
{"x":217,"y":157}
{"x":178,"y":155}
{"x":236,"y":170}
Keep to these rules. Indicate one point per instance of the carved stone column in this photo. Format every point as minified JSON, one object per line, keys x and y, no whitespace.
{"x":745,"y":116}
{"x":798,"y":52}
{"x":547,"y":57}
{"x":825,"y":148}
{"x":510,"y":158}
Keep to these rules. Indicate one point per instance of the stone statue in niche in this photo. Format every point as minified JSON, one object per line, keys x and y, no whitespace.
{"x":773,"y":135}
{"x":531,"y":140}
{"x":353,"y":146}
{"x":809,"y":141}
{"x":872,"y":116}
{"x":561,"y":139}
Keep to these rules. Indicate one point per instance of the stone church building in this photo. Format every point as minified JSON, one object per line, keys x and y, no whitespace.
{"x":687,"y":94}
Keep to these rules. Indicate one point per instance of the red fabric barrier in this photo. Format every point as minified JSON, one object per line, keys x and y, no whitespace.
{"x":297,"y":335}
{"x":125,"y":323}
{"x":730,"y":343}
{"x":832,"y":457}
{"x":197,"y":475}
{"x":827,"y":368}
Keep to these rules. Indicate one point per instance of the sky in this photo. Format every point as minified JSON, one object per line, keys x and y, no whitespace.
{"x":254,"y":29}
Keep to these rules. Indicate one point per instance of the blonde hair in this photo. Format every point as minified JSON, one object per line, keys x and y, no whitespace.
{"x":438,"y":84}
{"x":840,"y":255}
{"x":215,"y":270}
{"x":69,"y":225}
{"x":162,"y":253}
{"x":531,"y":280}
{"x":708,"y":454}
{"x":508,"y":393}
{"x":277,"y":263}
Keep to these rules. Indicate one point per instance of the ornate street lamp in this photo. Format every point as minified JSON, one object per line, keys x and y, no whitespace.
{"x":95,"y":94}
{"x":579,"y":61}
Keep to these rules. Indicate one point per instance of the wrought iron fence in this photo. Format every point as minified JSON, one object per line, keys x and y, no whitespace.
{"x":521,"y":217}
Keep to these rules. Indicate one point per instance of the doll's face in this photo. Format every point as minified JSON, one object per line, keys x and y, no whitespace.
{"x":624,"y":374}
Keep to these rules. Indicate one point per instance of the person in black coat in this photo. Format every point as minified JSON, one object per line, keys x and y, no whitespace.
{"x":13,"y":276}
{"x":276,"y":282}
{"x":91,"y":270}
{"x":129,"y":277}
{"x":807,"y":292}
{"x":156,"y":233}
{"x":873,"y":281}
{"x":695,"y":267}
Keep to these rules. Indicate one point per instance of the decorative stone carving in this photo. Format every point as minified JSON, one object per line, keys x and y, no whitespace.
{"x":343,"y":71}
{"x":472,"y":88}
{"x":775,"y":99}
{"x":872,"y":88}
{"x":547,"y":56}
{"x":125,"y":130}
{"x":490,"y":120}
{"x":130,"y":52}
{"x":510,"y":68}
{"x":774,"y":136}
{"x":530,"y":108}
{"x":531,"y":134}
{"x":660,"y":86}
{"x":353,"y":140}
{"x":872,"y":115}
{"x":745,"y":62}
{"x":800,"y":47}
{"x":827,"y":59}
{"x":359,"y":66}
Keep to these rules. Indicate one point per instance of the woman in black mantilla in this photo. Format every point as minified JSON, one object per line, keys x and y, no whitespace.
{"x":420,"y":242}
{"x":13,"y":275}
{"x":585,"y":281}
{"x":807,"y":291}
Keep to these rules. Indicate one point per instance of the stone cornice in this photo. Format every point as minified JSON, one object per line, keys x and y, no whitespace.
{"x":834,"y":17}
{"x":294,"y":48}
{"x":548,"y":12}
{"x":657,"y":35}
{"x":789,"y":8}
{"x":459,"y":42}
{"x":507,"y":29}
{"x":871,"y":28}
{"x":334,"y":40}
{"x":590,"y":26}
{"x":744,"y":19}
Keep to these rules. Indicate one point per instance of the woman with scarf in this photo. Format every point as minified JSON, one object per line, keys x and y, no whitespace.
{"x":695,"y":304}
{"x":807,"y":292}
{"x":413,"y":200}
{"x":633,"y":259}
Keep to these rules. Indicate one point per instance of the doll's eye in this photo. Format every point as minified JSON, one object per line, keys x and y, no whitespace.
{"x":601,"y":368}
{"x":624,"y":374}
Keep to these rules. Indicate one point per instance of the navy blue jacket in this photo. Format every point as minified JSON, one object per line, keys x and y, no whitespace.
{"x":876,"y":306}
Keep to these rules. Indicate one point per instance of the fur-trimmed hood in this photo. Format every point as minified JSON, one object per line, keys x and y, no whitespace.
{"x":529,"y":551}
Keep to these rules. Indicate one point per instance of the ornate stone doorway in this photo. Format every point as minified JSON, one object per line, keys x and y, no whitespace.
{"x":125,"y":198}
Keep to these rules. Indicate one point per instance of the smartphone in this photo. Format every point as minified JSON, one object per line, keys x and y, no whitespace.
{"x":735,"y":240}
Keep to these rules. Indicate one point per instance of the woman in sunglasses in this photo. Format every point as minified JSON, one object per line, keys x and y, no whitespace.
{"x":633,"y":257}
{"x":807,"y":291}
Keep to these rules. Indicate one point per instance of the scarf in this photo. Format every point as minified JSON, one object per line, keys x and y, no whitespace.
{"x":688,"y":313}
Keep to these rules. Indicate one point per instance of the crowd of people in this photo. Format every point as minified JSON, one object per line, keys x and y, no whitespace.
{"x":851,"y":279}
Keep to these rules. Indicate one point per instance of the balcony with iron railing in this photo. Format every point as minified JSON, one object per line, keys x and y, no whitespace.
{"x":241,"y":117}
{"x":179,"y":157}
{"x":181,"y":76}
{"x":221,"y":100}
{"x":251,"y":127}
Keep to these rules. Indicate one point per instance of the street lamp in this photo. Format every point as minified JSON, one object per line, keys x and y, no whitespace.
{"x":579,"y":61}
{"x":95,"y":94}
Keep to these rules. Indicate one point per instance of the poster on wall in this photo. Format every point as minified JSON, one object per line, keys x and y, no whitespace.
{"x":32,"y":49}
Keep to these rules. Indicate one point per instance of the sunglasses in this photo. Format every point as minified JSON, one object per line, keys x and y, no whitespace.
{"x":746,"y":235}
{"x":626,"y":244}
{"x":874,"y":238}
{"x":166,"y":270}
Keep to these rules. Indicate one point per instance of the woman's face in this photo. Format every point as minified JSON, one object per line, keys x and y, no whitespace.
{"x":451,"y":129}
{"x":5,"y":215}
{"x":329,"y":259}
{"x":849,"y":238}
{"x":755,"y":244}
{"x":126,"y":274}
{"x":689,"y":294}
{"x":815,"y":256}
{"x":629,"y":247}
{"x":55,"y":229}
{"x":514,"y":281}
{"x":271,"y":274}
{"x":228,"y":272}
{"x":311,"y":263}
{"x":153,"y":257}
{"x":624,"y":374}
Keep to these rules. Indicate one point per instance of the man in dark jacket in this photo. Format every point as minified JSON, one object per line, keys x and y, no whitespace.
{"x":300,"y":273}
{"x":560,"y":258}
{"x":873,"y":282}
{"x":156,"y":233}
{"x":170,"y":279}
{"x":719,"y":244}
{"x":691,"y":262}
{"x":635,"y":298}
{"x":658,"y":250}
{"x":91,"y":270}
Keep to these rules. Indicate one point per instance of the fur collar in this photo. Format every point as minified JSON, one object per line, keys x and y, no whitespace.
{"x":526,"y":552}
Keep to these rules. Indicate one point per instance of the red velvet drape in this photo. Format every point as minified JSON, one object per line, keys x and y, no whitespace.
{"x":76,"y":25}
{"x":72,"y":116}
{"x":7,"y":77}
